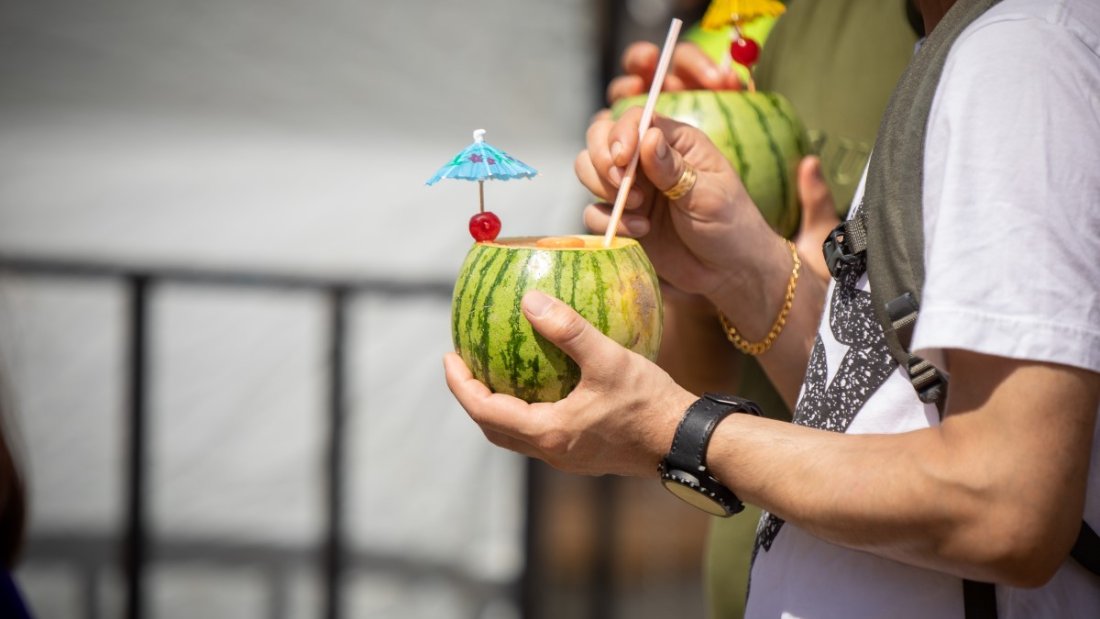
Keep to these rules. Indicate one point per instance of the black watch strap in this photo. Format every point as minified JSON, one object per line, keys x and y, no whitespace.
{"x":684,"y":470}
{"x":692,"y":438}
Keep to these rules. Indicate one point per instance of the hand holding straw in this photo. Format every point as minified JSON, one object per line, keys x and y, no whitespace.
{"x":647,"y":118}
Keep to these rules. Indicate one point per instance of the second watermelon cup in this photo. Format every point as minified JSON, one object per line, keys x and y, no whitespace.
{"x":759,"y":134}
{"x":614,"y":288}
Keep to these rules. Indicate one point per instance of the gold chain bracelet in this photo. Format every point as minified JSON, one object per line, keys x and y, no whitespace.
{"x":758,"y":348}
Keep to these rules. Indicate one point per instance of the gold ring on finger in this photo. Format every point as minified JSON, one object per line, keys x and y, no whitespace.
{"x":684,"y":185}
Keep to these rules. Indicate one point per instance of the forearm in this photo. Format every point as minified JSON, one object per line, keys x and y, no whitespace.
{"x":988,"y":495}
{"x":868,"y":492}
{"x":897,"y":496}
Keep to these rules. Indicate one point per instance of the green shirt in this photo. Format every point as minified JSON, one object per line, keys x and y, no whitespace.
{"x":837,"y":61}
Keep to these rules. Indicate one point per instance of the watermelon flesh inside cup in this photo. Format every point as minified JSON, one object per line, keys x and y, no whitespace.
{"x":758,"y":132}
{"x":615,"y":289}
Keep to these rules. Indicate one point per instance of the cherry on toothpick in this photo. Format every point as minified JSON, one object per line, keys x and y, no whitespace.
{"x":745,"y":51}
{"x":484,"y":226}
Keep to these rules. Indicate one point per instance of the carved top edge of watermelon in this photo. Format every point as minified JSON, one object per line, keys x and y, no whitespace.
{"x":573,"y":242}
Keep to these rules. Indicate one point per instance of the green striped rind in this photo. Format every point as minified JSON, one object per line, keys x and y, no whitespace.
{"x":615,"y":289}
{"x":760,"y":135}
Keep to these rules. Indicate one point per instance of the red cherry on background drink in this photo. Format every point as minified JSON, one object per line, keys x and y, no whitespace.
{"x":484,"y":226}
{"x":745,"y":51}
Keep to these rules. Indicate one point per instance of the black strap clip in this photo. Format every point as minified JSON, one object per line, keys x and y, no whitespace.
{"x":839,"y":255}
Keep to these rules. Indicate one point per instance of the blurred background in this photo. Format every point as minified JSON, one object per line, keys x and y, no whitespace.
{"x":224,"y":299}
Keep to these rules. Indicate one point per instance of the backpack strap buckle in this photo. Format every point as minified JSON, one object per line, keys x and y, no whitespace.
{"x":902,"y":312}
{"x":929,"y":382}
{"x":840,"y":255}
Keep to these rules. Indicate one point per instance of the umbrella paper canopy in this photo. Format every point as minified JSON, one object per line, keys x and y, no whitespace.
{"x":481,"y":162}
{"x":722,"y":13}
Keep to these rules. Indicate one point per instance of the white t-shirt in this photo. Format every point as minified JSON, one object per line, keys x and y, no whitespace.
{"x":1012,"y":258}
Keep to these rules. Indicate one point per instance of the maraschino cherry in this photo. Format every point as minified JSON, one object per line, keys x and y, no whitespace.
{"x":744,"y":51}
{"x":485,"y":226}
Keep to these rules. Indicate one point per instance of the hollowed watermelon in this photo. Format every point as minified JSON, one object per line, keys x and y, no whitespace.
{"x":759,"y":134}
{"x":614,"y":288}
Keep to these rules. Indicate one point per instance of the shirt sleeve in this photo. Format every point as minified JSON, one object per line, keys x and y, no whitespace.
{"x":1012,"y":196}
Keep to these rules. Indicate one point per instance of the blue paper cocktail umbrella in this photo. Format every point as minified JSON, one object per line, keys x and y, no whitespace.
{"x":480,"y":162}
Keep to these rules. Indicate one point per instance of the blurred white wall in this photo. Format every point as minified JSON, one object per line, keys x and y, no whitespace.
{"x":279,"y":135}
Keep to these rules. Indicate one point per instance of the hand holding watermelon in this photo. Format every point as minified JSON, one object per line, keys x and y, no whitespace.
{"x":620,"y":418}
{"x":758,"y":132}
{"x":691,"y":69}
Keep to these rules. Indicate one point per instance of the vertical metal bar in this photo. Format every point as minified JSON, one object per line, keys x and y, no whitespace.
{"x":278,"y":584}
{"x":601,"y":601}
{"x":90,"y":590}
{"x":333,"y":552}
{"x":609,"y":17}
{"x":531,"y":578}
{"x":135,"y":538}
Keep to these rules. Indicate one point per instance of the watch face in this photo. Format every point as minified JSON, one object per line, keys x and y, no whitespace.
{"x":694,"y":497}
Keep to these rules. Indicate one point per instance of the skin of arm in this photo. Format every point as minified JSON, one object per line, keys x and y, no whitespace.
{"x":995,"y":493}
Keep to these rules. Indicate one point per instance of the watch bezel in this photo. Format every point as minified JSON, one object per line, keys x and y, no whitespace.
{"x":706,"y":494}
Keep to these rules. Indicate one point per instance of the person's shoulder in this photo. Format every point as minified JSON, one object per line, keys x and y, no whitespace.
{"x":1038,"y":50}
{"x":1032,"y":28}
{"x":1069,"y":14}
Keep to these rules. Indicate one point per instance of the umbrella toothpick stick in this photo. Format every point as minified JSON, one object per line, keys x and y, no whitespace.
{"x":481,"y":194}
{"x":647,"y":118}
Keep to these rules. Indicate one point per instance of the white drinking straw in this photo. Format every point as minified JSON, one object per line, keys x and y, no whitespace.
{"x":647,"y":118}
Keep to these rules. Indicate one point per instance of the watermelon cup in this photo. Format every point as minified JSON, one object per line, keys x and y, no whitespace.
{"x":758,"y":132}
{"x":614,"y":288}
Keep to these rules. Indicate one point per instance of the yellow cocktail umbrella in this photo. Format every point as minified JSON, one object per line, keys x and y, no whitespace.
{"x":722,"y":13}
{"x":734,"y":14}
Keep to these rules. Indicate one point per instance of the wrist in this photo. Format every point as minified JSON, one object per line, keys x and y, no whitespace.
{"x":685,"y":470}
{"x":674,"y":409}
{"x":751,"y":296}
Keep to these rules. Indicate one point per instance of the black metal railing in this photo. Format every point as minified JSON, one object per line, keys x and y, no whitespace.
{"x":90,"y":555}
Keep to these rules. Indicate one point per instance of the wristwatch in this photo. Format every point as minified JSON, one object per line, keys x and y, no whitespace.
{"x":684,"y":470}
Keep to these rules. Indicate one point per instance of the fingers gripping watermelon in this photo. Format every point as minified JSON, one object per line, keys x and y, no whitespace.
{"x":615,"y":289}
{"x":758,"y":132}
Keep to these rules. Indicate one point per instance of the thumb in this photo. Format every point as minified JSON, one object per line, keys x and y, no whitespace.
{"x":565,"y":328}
{"x":818,"y":207}
{"x":818,"y":214}
{"x":663,"y":165}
